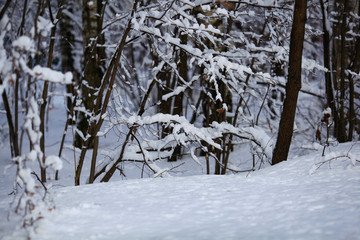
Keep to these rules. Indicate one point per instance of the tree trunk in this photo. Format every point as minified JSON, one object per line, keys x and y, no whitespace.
{"x":355,"y":67}
{"x":106,"y":87}
{"x":178,"y":102}
{"x":45,"y":97}
{"x":293,"y":85}
{"x":93,"y":59}
{"x":14,"y":147}
{"x":67,"y":43}
{"x":342,"y":121}
{"x":328,"y":82}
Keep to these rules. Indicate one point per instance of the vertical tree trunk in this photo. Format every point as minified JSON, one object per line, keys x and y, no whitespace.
{"x":106,"y":87}
{"x":45,"y":96}
{"x":213,"y":106}
{"x":178,"y":102}
{"x":342,"y":121}
{"x":14,"y":147}
{"x":183,"y":71}
{"x":4,"y":8}
{"x":328,"y":82}
{"x":355,"y":67}
{"x":93,"y":58}
{"x":293,"y":85}
{"x":165,"y":106}
{"x":67,"y":42}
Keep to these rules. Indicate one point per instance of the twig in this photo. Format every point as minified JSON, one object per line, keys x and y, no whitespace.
{"x":262,"y":105}
{"x":319,"y":164}
{"x":142,"y":152}
{"x":37,"y":177}
{"x":3,"y":10}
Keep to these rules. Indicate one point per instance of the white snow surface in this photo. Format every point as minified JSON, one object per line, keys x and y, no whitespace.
{"x":297,"y":199}
{"x":284,"y":201}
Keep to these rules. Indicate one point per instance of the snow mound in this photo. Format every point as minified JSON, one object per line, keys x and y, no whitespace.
{"x":284,"y":201}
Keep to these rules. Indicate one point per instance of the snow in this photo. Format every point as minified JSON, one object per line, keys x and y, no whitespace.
{"x":43,"y":26}
{"x":327,"y":111}
{"x":90,"y":4}
{"x":315,"y":196}
{"x":279,"y":202}
{"x":222,"y":11}
{"x":50,"y":75}
{"x":23,"y":43}
{"x":53,"y":162}
{"x":25,"y":176}
{"x":282,"y":202}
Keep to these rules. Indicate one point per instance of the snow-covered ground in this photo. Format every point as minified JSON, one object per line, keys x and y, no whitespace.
{"x":291,"y":200}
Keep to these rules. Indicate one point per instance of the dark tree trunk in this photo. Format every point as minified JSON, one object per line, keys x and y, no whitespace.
{"x":183,"y":71}
{"x":342,"y":121}
{"x":4,"y":8}
{"x":355,"y":67}
{"x":93,"y":61}
{"x":178,"y":102}
{"x":14,"y":147}
{"x":106,"y":87}
{"x":328,"y":82}
{"x":293,"y":85}
{"x":45,"y":97}
{"x":165,"y":106}
{"x":67,"y":43}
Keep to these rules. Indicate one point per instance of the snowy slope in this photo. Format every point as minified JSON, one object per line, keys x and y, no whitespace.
{"x":284,"y":201}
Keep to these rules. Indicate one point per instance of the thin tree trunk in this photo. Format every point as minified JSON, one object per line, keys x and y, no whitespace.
{"x":4,"y":8}
{"x":229,"y":145}
{"x":111,"y":171}
{"x":13,"y":139}
{"x":293,"y":85}
{"x":108,"y":81}
{"x":93,"y":57}
{"x":165,"y":106}
{"x":328,"y":82}
{"x":342,"y":121}
{"x":45,"y":96}
{"x":355,"y":68}
{"x":67,"y":42}
{"x":178,"y":102}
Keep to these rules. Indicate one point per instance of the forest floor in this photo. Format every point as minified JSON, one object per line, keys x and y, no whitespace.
{"x":291,"y":200}
{"x":297,"y":199}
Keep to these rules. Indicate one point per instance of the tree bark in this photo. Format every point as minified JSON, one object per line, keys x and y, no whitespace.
{"x":178,"y":102}
{"x":4,"y":8}
{"x":45,"y":96}
{"x":67,"y":43}
{"x":106,"y":87}
{"x":293,"y":85}
{"x":93,"y":61}
{"x":355,"y":67}
{"x":328,"y":82}
{"x":342,"y":137}
{"x":14,"y":147}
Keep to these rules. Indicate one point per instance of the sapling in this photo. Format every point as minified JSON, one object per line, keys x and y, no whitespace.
{"x":328,"y":121}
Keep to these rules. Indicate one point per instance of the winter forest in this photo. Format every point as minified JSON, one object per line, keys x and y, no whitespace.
{"x":180,"y":119}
